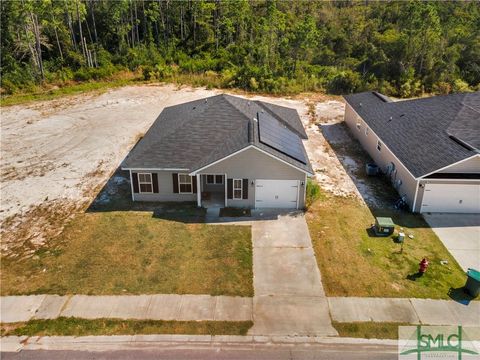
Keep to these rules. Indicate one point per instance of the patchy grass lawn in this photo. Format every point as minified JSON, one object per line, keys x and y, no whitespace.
{"x":83,"y":327}
{"x":369,"y":329}
{"x":131,"y":252}
{"x":353,"y":263}
{"x":42,"y":94}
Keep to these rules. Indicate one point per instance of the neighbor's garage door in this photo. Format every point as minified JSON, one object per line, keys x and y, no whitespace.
{"x":276,"y":193}
{"x":454,"y":198}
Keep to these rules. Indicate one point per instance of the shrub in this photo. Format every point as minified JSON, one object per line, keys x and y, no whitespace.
{"x":312,"y":192}
{"x":8,"y":86}
{"x":253,"y":84}
{"x":442,"y":88}
{"x":460,"y":86}
{"x":344,"y":83}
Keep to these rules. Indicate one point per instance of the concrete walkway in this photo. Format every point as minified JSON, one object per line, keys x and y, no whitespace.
{"x":414,"y":311}
{"x":153,"y":307}
{"x":289,"y":298}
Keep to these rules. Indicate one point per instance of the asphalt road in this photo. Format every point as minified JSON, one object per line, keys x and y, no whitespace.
{"x":300,"y":352}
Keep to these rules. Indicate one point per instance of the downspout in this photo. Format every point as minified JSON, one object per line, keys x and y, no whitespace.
{"x":131,"y":185}
{"x":225,"y":182}
{"x":199,"y":191}
{"x":415,"y":197}
{"x":305,"y":192}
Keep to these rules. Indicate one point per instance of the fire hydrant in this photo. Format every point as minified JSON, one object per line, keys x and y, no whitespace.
{"x":423,"y":266}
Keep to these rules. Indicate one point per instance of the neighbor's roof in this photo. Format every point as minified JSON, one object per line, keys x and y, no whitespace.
{"x":424,"y":134}
{"x":194,"y":134}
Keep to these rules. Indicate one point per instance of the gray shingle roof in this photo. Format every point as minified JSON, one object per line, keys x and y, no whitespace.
{"x":420,"y":132}
{"x":194,"y":134}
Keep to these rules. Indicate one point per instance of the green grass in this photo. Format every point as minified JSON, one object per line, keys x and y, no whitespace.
{"x":131,"y":252}
{"x":234,"y":212}
{"x":368,"y":330}
{"x":83,"y":327}
{"x":353,"y":263}
{"x":72,"y":89}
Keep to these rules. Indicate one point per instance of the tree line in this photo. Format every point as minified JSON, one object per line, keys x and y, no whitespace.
{"x":401,"y":48}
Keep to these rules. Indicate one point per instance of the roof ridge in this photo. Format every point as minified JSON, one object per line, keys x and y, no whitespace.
{"x":227,"y":98}
{"x":230,"y":138}
{"x":290,"y":127}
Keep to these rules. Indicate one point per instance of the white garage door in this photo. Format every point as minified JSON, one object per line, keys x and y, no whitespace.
{"x":454,"y":198}
{"x":276,"y":193}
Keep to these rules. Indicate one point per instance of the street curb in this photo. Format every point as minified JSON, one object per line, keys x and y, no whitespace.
{"x":121,"y":342}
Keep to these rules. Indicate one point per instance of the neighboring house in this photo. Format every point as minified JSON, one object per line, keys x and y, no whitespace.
{"x":428,"y":147}
{"x":224,"y":150}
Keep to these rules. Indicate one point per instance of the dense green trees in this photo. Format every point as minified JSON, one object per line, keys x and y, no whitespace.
{"x":400,"y":48}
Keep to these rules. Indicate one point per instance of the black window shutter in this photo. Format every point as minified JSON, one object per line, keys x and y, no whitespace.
{"x":135,"y":182}
{"x":229,"y":188}
{"x":155,"y":182}
{"x":175,"y":183}
{"x":245,"y":188}
{"x":194,"y":186}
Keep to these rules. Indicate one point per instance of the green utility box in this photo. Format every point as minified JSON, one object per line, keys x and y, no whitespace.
{"x":472,"y":285}
{"x":384,"y":226}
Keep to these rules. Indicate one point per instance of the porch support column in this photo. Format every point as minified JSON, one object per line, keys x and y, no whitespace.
{"x":131,"y":185}
{"x":225,"y":183}
{"x":199,"y":191}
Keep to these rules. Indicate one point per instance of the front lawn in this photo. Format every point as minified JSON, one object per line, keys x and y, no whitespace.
{"x":83,"y":327}
{"x":353,"y":263}
{"x":129,"y":252}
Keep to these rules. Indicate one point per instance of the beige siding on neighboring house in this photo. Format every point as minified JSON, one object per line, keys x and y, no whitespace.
{"x":165,"y":190}
{"x":252,"y":164}
{"x":471,"y":165}
{"x":382,"y":158}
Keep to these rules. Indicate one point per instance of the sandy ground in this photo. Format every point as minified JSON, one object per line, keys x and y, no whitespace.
{"x":57,"y":154}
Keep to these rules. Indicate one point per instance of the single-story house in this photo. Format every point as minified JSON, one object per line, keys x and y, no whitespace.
{"x":428,"y":147}
{"x":222,"y":150}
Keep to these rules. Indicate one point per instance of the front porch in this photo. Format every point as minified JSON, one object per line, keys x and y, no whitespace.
{"x":213,"y":190}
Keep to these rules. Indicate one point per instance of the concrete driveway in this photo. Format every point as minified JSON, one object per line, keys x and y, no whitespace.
{"x":289,"y":297}
{"x":460,"y":233}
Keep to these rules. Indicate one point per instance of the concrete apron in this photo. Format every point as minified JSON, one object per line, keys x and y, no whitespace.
{"x":289,"y":298}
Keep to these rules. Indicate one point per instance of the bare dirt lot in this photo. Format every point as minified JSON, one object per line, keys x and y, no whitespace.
{"x":56,"y":155}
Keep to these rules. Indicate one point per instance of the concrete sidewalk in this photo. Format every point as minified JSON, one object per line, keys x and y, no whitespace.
{"x":152,"y":307}
{"x":413,"y":311}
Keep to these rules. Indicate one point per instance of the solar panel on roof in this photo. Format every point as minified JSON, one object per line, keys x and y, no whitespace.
{"x":276,"y":135}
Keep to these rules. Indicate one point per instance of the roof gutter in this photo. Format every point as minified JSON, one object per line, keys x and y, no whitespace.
{"x":446,"y":167}
{"x":154,"y":169}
